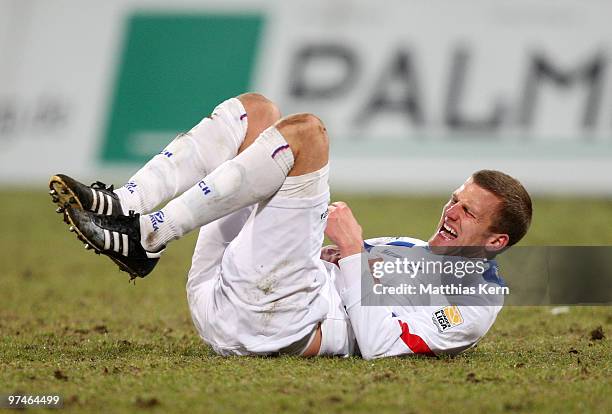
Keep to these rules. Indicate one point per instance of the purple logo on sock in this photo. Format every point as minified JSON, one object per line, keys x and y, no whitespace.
{"x":166,"y":153}
{"x":156,"y":219}
{"x":130,"y":186}
{"x":204,"y":187}
{"x":243,"y":116}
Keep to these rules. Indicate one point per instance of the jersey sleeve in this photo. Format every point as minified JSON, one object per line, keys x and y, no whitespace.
{"x":383,"y":331}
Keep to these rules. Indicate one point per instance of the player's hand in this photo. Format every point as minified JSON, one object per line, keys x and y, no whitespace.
{"x":331,"y":254}
{"x":343,"y":229}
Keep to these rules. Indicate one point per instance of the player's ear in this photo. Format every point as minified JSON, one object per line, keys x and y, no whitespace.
{"x":497,"y":242}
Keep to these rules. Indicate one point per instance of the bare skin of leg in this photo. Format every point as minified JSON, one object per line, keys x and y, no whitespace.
{"x":261,"y":114}
{"x":305,"y":133}
{"x":307,"y":138}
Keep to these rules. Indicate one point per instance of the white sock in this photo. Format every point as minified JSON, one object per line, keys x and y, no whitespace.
{"x":252,"y":176}
{"x":187,"y":159}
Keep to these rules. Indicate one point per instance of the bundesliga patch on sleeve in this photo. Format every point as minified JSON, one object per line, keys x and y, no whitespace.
{"x":447,"y":317}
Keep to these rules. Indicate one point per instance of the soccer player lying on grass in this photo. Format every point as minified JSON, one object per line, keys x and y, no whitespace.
{"x":256,"y":186}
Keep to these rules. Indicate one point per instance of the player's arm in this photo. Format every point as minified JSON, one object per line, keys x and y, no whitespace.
{"x":380,"y":332}
{"x":344,"y":230}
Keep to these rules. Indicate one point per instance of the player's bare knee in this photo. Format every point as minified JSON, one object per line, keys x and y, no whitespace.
{"x":261,"y":114}
{"x":305,"y":132}
{"x":259,"y":109}
{"x":307,"y":138}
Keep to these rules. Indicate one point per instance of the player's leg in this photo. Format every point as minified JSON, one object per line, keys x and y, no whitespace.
{"x":218,"y":138}
{"x":288,"y":148}
{"x":205,"y":270}
{"x":197,"y":153}
{"x":255,"y":174}
{"x":214,"y":237}
{"x":267,"y":298}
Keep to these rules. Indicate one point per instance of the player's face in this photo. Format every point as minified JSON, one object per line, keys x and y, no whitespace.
{"x":466,"y":219}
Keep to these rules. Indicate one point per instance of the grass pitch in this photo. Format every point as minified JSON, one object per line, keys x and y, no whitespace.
{"x":72,"y":325}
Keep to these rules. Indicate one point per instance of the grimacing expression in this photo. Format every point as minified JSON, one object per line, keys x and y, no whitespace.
{"x":467,"y":218}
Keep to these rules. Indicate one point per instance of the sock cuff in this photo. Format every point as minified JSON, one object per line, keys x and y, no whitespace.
{"x":234,"y":117}
{"x":278,"y":148}
{"x":157,"y":229}
{"x":129,"y":200}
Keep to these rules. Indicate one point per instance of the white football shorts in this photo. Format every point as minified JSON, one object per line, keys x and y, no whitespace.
{"x":257,"y":284}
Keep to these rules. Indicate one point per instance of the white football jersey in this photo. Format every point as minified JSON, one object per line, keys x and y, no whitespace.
{"x":444,"y":328}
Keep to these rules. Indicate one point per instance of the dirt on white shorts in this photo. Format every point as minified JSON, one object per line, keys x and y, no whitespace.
{"x":257,"y":284}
